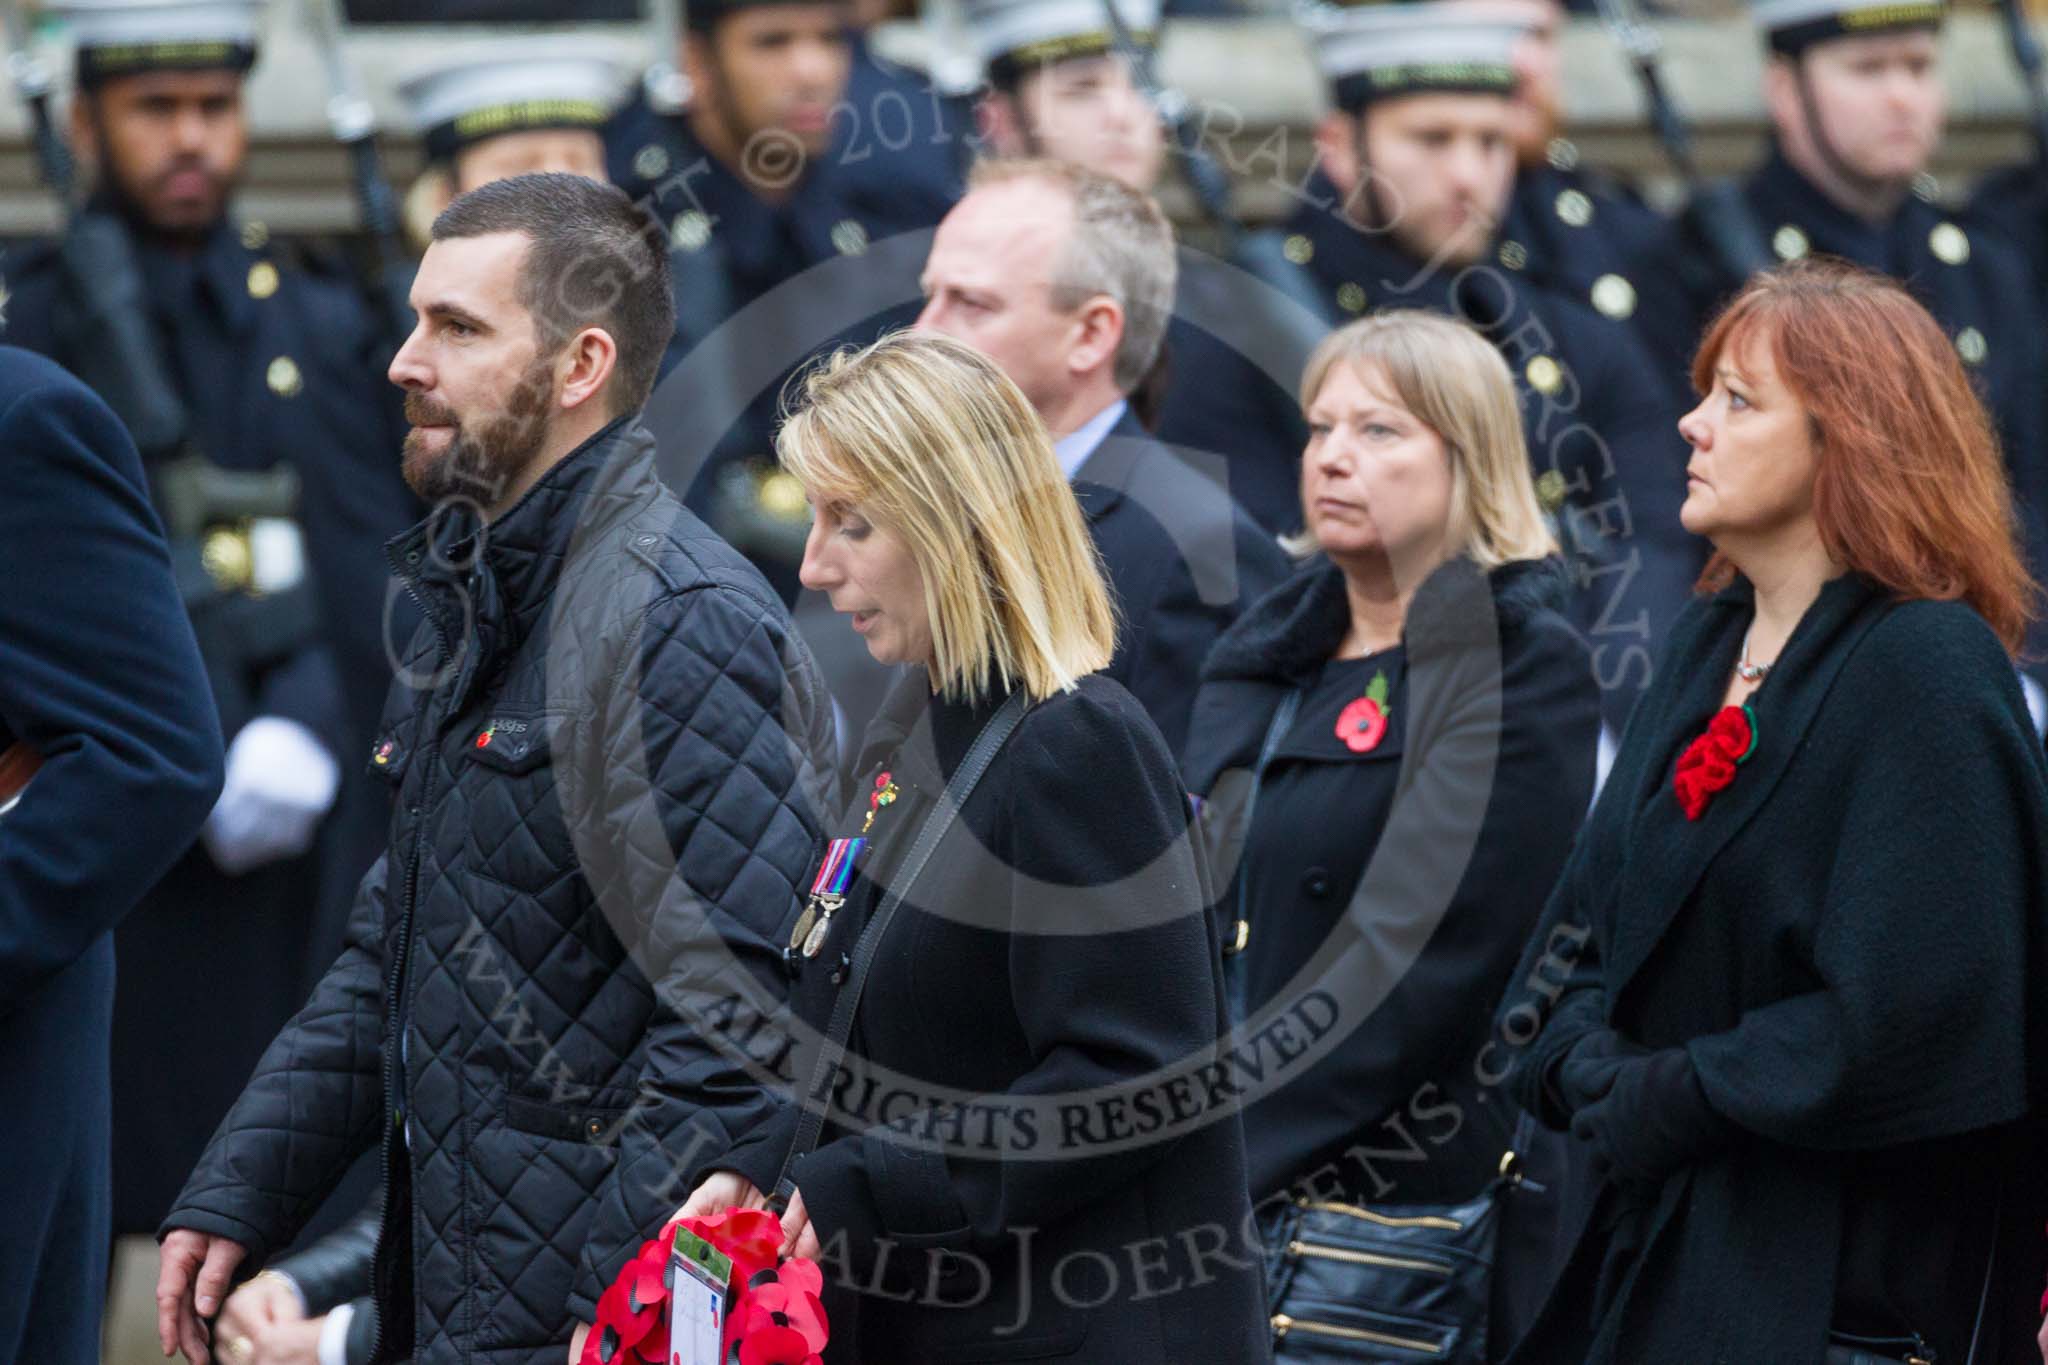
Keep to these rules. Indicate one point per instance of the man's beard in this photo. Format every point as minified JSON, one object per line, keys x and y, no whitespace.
{"x":485,"y":456}
{"x":136,"y":206}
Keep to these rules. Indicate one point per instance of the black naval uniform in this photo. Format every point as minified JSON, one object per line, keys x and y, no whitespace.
{"x":1576,"y":234}
{"x":2013,"y":202}
{"x":1586,"y":391}
{"x":732,"y":250}
{"x":1979,"y":288}
{"x":278,"y":366}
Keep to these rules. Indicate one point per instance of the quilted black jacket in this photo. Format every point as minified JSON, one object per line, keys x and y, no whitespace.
{"x":607,"y":746}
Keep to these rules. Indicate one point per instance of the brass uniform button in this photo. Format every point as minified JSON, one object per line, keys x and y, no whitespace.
{"x":1790,"y":243}
{"x":781,"y":496}
{"x":255,"y":235}
{"x":1298,"y":249}
{"x":1550,"y":490}
{"x":849,"y":238}
{"x":1513,"y":254}
{"x":1545,"y":375}
{"x":284,"y":378}
{"x":1971,"y":346}
{"x":1949,"y":243}
{"x":1614,"y":296}
{"x":1350,"y":297}
{"x":690,"y":232}
{"x":1575,"y":208}
{"x":650,"y":162}
{"x":262,"y":280}
{"x":227,"y":559}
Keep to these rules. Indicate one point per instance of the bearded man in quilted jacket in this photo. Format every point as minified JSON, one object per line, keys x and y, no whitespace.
{"x":605,"y":746}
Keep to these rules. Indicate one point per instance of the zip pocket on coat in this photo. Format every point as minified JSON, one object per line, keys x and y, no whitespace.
{"x":1330,"y":1331}
{"x":1420,"y":1264}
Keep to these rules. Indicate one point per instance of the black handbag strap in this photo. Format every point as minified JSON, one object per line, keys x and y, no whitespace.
{"x":1276,"y":731}
{"x":811,"y":1120}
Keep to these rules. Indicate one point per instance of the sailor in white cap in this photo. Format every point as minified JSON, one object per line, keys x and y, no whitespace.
{"x":190,"y":52}
{"x":1058,"y":86}
{"x":1857,"y":107}
{"x":1416,"y":166}
{"x":509,"y":106}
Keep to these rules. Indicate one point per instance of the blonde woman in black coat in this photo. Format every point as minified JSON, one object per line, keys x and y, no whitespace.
{"x":1016,"y":1164}
{"x":1420,"y":724}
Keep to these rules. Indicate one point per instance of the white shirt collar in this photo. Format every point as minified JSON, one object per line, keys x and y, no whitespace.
{"x":1073,"y":449}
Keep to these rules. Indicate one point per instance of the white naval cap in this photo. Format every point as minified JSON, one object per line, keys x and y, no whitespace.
{"x":1377,"y":51}
{"x":120,"y":37}
{"x":1014,"y":35}
{"x":1792,"y":26}
{"x":510,"y":85}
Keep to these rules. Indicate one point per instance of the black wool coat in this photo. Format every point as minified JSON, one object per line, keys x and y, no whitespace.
{"x":1182,"y":559}
{"x":1467,"y":808}
{"x":1848,"y":948}
{"x":1024,"y":1162}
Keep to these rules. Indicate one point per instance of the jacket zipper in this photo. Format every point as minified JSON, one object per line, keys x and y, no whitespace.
{"x":1283,"y":1324}
{"x":1325,"y":1253}
{"x":395,"y":976}
{"x":1427,"y":1220}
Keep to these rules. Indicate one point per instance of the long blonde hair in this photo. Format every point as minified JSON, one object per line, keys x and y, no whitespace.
{"x":931,"y":440}
{"x":1457,"y":385}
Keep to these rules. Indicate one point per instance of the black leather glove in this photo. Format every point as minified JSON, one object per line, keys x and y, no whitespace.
{"x":1651,"y":1119}
{"x":1583,"y":1073}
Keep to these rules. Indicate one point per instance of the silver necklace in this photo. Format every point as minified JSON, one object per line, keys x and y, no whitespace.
{"x":1747,"y":671}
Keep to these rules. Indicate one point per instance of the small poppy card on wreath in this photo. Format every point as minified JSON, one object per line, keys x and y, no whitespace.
{"x":712,"y":1290}
{"x":699,"y":1273}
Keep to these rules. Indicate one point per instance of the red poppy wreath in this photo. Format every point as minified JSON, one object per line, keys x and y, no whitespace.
{"x":1709,"y":762}
{"x":773,"y":1316}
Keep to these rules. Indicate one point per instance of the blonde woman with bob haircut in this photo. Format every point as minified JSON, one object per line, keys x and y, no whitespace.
{"x":1024,"y":992}
{"x":1397,"y":745}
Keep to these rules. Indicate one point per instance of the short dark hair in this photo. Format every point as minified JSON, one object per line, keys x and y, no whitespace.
{"x":597,"y":259}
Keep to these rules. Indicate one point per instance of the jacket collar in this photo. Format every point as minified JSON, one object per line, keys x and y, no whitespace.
{"x":1105,"y":476}
{"x":1668,"y":854}
{"x":1287,"y":635}
{"x":214,"y":276}
{"x":920,"y":736}
{"x":1783,"y":197}
{"x":493,"y":581}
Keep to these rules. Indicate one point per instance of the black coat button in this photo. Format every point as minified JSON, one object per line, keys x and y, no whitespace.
{"x":1315,"y":882}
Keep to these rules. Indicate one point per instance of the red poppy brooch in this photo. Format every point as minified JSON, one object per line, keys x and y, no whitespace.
{"x":1709,"y":762}
{"x":773,"y":1314}
{"x":1362,"y":724}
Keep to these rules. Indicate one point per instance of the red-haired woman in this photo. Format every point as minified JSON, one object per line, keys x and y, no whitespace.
{"x":1800,"y":941}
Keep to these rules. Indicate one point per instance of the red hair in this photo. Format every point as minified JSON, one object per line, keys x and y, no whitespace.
{"x":1909,"y":488}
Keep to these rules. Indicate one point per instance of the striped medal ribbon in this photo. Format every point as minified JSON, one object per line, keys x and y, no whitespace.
{"x":828,"y":893}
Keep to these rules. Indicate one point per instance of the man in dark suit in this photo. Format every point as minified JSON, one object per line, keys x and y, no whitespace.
{"x":99,"y":677}
{"x":1065,"y":277}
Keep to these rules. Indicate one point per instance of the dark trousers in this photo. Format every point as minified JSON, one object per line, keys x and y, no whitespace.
{"x":56,"y":1121}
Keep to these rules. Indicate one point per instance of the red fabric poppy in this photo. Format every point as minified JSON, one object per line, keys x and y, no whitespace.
{"x":752,"y":1237}
{"x":1362,"y":725}
{"x":801,"y":1272}
{"x":1709,"y":762}
{"x":646,"y":1275}
{"x":779,"y":1305}
{"x":778,"y":1346}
